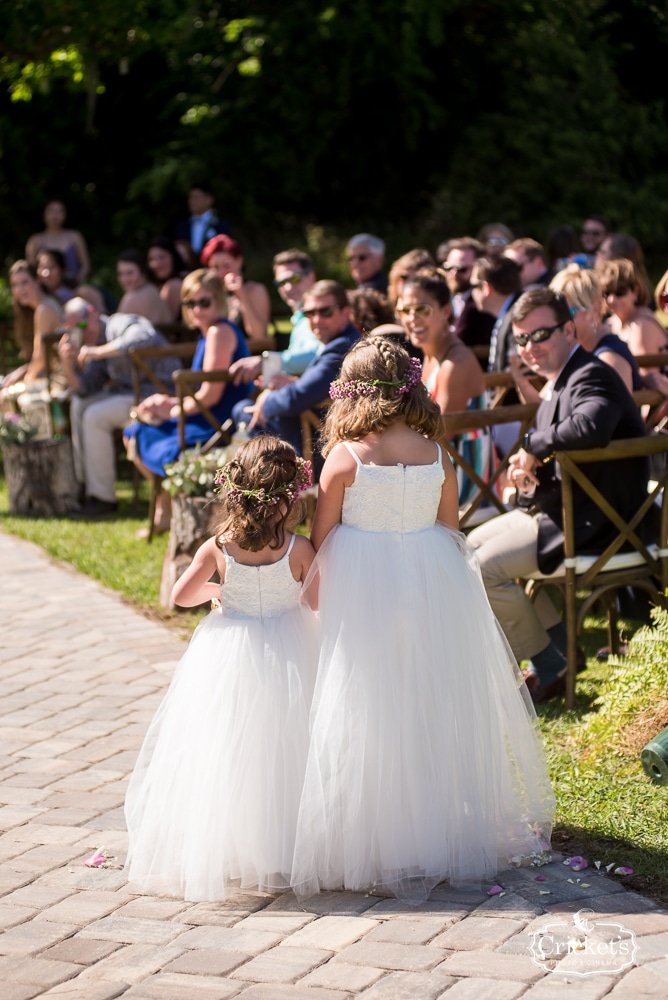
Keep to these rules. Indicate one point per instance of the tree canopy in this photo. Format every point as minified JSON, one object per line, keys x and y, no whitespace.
{"x":429,"y":115}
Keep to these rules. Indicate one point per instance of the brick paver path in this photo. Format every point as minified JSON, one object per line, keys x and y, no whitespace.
{"x":81,"y":675}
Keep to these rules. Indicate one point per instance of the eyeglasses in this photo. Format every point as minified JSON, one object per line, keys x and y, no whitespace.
{"x":459,"y":270}
{"x":324,"y":311}
{"x":593,"y":232}
{"x":423,"y":310}
{"x":292,"y":279}
{"x":358,"y":256}
{"x":202,"y":303}
{"x":536,"y":336}
{"x":498,"y":241}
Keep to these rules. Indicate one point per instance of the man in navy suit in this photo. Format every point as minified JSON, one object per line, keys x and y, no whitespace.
{"x":203,"y":224}
{"x":279,"y":410}
{"x":585,"y":405}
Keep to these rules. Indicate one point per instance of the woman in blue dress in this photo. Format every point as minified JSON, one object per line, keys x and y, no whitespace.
{"x":204,"y":307}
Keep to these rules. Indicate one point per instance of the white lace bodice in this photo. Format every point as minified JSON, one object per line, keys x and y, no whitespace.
{"x":397,"y":498}
{"x":259,"y":591}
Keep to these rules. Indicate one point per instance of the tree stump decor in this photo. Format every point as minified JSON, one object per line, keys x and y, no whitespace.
{"x":40,"y":478}
{"x":189,"y":529}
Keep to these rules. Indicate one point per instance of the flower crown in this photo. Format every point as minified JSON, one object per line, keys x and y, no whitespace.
{"x":267,"y":498}
{"x":339,"y":389}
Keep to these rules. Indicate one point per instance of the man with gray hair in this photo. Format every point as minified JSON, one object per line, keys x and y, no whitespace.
{"x":365,"y":255}
{"x":94,"y":355}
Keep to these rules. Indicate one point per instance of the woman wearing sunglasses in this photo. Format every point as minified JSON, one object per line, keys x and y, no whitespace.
{"x":629,"y":302}
{"x":156,"y":435}
{"x":450,"y":370}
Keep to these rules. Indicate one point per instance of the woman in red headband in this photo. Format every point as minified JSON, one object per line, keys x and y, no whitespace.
{"x":248,"y":304}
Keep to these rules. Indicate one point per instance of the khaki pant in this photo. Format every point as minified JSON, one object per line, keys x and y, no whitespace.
{"x":506,"y":547}
{"x":93,"y":420}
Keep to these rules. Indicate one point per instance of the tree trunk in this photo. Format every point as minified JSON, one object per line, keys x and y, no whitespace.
{"x":188,"y":530}
{"x":40,"y":478}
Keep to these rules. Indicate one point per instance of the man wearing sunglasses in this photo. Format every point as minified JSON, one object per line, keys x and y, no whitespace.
{"x":278,"y":411}
{"x":585,"y":405}
{"x":293,"y":277}
{"x":365,"y":255}
{"x":457,"y":258}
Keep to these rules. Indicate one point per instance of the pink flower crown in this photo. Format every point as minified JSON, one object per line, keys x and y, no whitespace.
{"x":267,"y":498}
{"x":339,"y":389}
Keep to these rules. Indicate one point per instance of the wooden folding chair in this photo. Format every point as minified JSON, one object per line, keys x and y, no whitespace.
{"x":522,"y":414}
{"x":311,"y":424}
{"x":642,"y":564}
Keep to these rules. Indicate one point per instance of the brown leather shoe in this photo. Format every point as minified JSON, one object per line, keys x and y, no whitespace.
{"x":541,"y":692}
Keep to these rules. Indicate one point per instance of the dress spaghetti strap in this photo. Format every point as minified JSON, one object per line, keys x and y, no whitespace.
{"x":346,"y":444}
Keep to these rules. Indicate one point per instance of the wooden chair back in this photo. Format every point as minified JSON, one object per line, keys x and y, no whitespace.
{"x":642,"y":564}
{"x":522,"y":414}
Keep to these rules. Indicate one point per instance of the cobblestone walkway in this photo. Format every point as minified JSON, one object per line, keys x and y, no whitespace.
{"x":81,"y":675}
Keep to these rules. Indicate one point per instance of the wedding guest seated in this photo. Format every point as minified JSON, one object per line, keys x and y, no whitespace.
{"x":627,"y":296}
{"x":403,"y":267}
{"x":203,"y":302}
{"x":365,"y":255}
{"x":278,"y":411}
{"x":582,"y":291}
{"x":588,"y":406}
{"x":140,"y":296}
{"x":70,"y":242}
{"x":450,"y":370}
{"x":94,"y":355}
{"x":368,"y":309}
{"x":51,"y":273}
{"x":248,"y":303}
{"x":293,"y":277}
{"x":36,"y":313}
{"x":166,"y":271}
{"x":496,"y":236}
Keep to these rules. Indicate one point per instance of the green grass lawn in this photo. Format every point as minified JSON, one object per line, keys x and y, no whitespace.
{"x":607,"y":809}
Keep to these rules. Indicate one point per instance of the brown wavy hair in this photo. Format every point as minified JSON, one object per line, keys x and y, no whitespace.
{"x":263,"y":463}
{"x":351,"y":419}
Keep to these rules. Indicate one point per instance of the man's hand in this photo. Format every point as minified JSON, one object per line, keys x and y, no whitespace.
{"x":277,"y":381}
{"x":246,"y":370}
{"x":256,"y":409}
{"x":522,"y":471}
{"x":87,"y":354}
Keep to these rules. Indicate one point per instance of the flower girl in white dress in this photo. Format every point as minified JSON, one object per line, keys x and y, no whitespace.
{"x":214,"y":796}
{"x":425,"y":762}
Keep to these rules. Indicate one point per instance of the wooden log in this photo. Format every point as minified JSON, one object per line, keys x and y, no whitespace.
{"x":188,"y":530}
{"x":40,"y":478}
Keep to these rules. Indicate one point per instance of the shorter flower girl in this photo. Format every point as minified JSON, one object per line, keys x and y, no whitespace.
{"x":213,"y":799}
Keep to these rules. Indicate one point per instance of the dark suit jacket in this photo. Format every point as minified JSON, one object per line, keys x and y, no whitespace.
{"x":284,"y":406}
{"x":504,"y":340}
{"x":590,"y":407}
{"x":215,"y":228}
{"x":474,"y":327}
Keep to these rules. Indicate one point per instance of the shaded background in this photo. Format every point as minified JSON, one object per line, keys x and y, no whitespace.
{"x":417,"y":120}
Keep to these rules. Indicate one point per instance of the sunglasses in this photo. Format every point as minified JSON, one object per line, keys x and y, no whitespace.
{"x":358,"y":256}
{"x":324,"y":311}
{"x":203,"y":303}
{"x":497,"y":241}
{"x":423,"y":310}
{"x":459,"y":270}
{"x":292,"y":279}
{"x":617,"y":293}
{"x":536,"y":336}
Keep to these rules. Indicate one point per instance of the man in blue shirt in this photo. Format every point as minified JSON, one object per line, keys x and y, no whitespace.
{"x":279,"y":410}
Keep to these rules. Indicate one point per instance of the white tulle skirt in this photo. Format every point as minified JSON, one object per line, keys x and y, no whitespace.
{"x":214,"y":796}
{"x":425,"y":761}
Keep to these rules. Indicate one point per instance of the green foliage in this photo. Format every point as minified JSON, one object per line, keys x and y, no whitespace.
{"x":192,"y":475}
